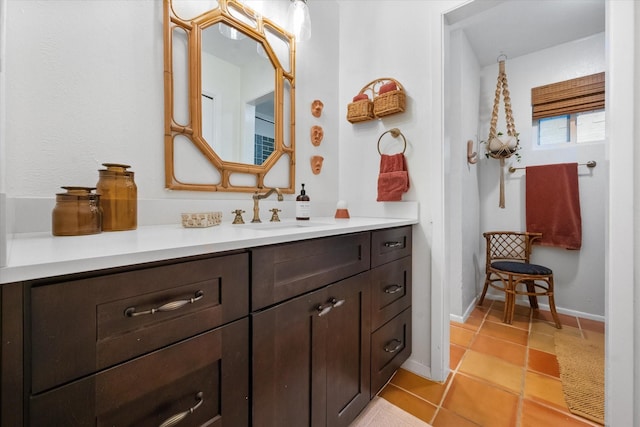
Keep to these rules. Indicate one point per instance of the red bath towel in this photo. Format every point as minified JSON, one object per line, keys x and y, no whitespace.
{"x":393,"y":179}
{"x":553,"y":204}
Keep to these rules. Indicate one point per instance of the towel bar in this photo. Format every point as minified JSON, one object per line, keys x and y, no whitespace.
{"x":589,"y":164}
{"x":395,"y":132}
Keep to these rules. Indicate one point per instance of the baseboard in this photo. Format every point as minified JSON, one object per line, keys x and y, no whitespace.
{"x":467,"y":312}
{"x":561,"y":310}
{"x":417,"y":368}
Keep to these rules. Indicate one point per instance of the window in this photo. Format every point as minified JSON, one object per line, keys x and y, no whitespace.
{"x":554,"y":130}
{"x":590,"y":126}
{"x":569,"y":112}
{"x":578,"y":128}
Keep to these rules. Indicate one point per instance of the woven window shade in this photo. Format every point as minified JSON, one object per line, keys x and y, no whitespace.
{"x":568,"y":97}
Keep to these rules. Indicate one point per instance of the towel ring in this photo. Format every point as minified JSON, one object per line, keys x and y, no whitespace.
{"x":395,"y":132}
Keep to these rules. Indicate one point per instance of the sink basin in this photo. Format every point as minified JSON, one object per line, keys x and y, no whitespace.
{"x":283,"y":225}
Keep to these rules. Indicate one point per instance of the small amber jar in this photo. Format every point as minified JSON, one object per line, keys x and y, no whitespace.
{"x":77,"y":212}
{"x":119,"y":198}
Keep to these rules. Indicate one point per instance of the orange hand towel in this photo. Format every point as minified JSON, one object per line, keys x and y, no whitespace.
{"x":393,"y":179}
{"x":553,"y":204}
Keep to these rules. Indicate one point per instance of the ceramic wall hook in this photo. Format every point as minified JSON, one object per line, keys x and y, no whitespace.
{"x":472,"y":156}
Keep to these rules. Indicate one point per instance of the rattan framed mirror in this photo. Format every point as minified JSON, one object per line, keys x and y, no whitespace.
{"x":229,"y":78}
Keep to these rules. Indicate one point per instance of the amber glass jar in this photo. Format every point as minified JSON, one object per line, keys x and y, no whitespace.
{"x":77,"y":212}
{"x":118,"y":197}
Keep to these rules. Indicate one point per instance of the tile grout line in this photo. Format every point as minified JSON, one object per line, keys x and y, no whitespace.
{"x":454,"y":372}
{"x":525,"y":368}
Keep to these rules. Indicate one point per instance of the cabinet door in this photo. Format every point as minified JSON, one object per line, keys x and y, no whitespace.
{"x":287,"y":341}
{"x":311,"y":357}
{"x":203,"y":380}
{"x":348,"y":359}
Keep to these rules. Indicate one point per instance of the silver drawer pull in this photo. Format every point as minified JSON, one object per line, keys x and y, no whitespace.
{"x":393,"y":289}
{"x":175,"y":419}
{"x":392,"y":244}
{"x":391,"y":348}
{"x":335,"y":302}
{"x":173,"y":305}
{"x":323,"y":309}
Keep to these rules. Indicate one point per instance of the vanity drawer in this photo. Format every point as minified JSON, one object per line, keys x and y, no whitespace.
{"x":390,"y":290}
{"x":280,"y":272}
{"x":390,"y":244}
{"x":82,"y":326}
{"x":390,"y":347}
{"x":211,"y":368}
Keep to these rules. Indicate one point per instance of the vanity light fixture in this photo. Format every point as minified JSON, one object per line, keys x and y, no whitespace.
{"x":298,"y":20}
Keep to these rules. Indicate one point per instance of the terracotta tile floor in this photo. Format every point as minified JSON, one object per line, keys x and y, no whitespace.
{"x":501,"y":375}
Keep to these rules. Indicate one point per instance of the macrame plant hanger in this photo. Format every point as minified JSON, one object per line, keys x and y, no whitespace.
{"x":499,"y":147}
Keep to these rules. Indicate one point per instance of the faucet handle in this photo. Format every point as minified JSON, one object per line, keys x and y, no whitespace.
{"x":238,"y":218}
{"x":274,"y":215}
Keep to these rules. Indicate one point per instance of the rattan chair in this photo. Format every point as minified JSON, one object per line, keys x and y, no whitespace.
{"x":508,"y":269}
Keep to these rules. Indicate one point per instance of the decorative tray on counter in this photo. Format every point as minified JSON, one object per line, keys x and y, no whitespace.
{"x":201,"y":219}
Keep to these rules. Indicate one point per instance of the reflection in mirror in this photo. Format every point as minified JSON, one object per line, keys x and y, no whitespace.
{"x":229,"y":99}
{"x":237,"y":96}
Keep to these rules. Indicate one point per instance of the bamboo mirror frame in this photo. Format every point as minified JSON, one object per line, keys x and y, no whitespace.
{"x":187,"y":151}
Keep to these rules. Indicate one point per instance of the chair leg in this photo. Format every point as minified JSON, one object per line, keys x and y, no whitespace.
{"x":509,"y":302}
{"x":552,"y":304}
{"x":531,"y":289}
{"x":484,"y":291}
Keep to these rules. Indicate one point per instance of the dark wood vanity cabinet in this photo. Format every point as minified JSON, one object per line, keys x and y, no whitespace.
{"x":331,"y":322}
{"x":139,"y":347}
{"x":202,"y":381}
{"x":295,"y":334}
{"x":391,"y":283}
{"x":311,"y":357}
{"x":311,"y":349}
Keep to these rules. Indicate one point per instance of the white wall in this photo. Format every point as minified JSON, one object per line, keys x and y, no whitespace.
{"x":84,"y":85}
{"x":403,"y":40}
{"x":622,"y":371}
{"x":3,"y":156}
{"x":462,"y":195}
{"x":579,"y":275}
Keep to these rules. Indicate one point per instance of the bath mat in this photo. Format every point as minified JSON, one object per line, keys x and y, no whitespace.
{"x":582,"y":373}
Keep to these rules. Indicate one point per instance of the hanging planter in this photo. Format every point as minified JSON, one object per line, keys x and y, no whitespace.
{"x":499,"y":145}
{"x":503,"y":145}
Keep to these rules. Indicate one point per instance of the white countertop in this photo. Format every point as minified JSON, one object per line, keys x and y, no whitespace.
{"x":39,"y":255}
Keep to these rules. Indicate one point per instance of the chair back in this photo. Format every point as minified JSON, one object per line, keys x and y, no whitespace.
{"x":509,"y":245}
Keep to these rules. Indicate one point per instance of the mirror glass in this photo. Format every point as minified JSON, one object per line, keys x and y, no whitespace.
{"x":237,"y":100}
{"x":229,"y":99}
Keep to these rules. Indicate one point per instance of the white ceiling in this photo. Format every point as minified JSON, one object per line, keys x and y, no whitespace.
{"x":520,"y":27}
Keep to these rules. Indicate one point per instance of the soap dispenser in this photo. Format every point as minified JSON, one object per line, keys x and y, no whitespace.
{"x":303,"y":205}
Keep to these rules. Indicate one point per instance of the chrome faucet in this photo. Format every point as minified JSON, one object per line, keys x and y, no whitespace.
{"x":257,"y":197}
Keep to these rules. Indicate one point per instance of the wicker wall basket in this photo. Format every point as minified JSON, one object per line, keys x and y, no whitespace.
{"x":392,"y":100}
{"x":360,"y":111}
